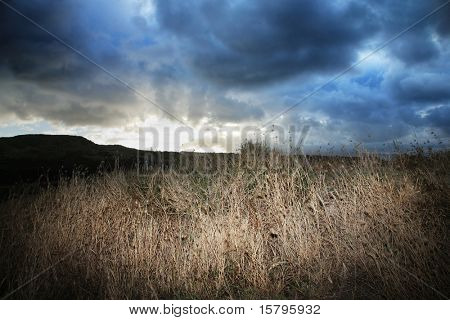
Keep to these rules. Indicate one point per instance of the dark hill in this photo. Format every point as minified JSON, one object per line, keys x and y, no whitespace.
{"x":27,"y":157}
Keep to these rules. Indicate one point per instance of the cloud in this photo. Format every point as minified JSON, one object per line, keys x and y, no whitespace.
{"x":415,"y":48}
{"x":439,"y":117}
{"x":48,"y":80}
{"x":422,"y":88}
{"x":234,"y":61}
{"x":248,"y":43}
{"x":419,"y":44}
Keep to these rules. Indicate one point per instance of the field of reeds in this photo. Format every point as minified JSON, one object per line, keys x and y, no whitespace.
{"x":263,"y":225}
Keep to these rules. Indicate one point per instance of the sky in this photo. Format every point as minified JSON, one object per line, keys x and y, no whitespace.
{"x":222,"y":64}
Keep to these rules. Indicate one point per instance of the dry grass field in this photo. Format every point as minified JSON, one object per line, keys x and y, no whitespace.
{"x":277,"y":228}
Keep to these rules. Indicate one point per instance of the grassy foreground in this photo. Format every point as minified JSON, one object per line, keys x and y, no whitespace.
{"x":333,"y":228}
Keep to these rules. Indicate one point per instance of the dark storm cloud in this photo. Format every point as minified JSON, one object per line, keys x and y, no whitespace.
{"x":410,"y":92}
{"x":365,"y":116}
{"x":415,"y":48}
{"x":422,"y":88}
{"x":28,"y":51}
{"x":254,"y":42}
{"x":47,"y":79}
{"x":418,"y":45}
{"x":36,"y":66}
{"x":230,"y":61}
{"x":27,"y":102}
{"x":246,"y":44}
{"x":439,"y":118}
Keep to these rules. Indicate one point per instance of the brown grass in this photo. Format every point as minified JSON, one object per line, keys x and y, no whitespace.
{"x":342,"y":228}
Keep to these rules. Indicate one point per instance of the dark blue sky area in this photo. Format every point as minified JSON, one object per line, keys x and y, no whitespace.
{"x":228,"y":62}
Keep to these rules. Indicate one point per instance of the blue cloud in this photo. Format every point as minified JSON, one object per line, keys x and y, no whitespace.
{"x":371,"y":79}
{"x":230,"y":61}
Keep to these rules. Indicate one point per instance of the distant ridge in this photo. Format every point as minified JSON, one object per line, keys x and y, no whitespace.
{"x":26,"y":157}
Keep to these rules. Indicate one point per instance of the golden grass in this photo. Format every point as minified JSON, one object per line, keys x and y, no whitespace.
{"x":342,"y":228}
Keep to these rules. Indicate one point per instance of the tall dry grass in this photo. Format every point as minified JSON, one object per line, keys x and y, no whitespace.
{"x":336,"y":228}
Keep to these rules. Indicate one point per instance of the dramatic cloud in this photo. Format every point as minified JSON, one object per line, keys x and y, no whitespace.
{"x":254,"y":42}
{"x":228,"y":62}
{"x":422,"y":88}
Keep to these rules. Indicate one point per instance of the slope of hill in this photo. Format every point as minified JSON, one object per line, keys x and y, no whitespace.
{"x":26,"y":157}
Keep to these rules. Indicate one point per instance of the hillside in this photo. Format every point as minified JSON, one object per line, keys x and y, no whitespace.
{"x":26,"y":157}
